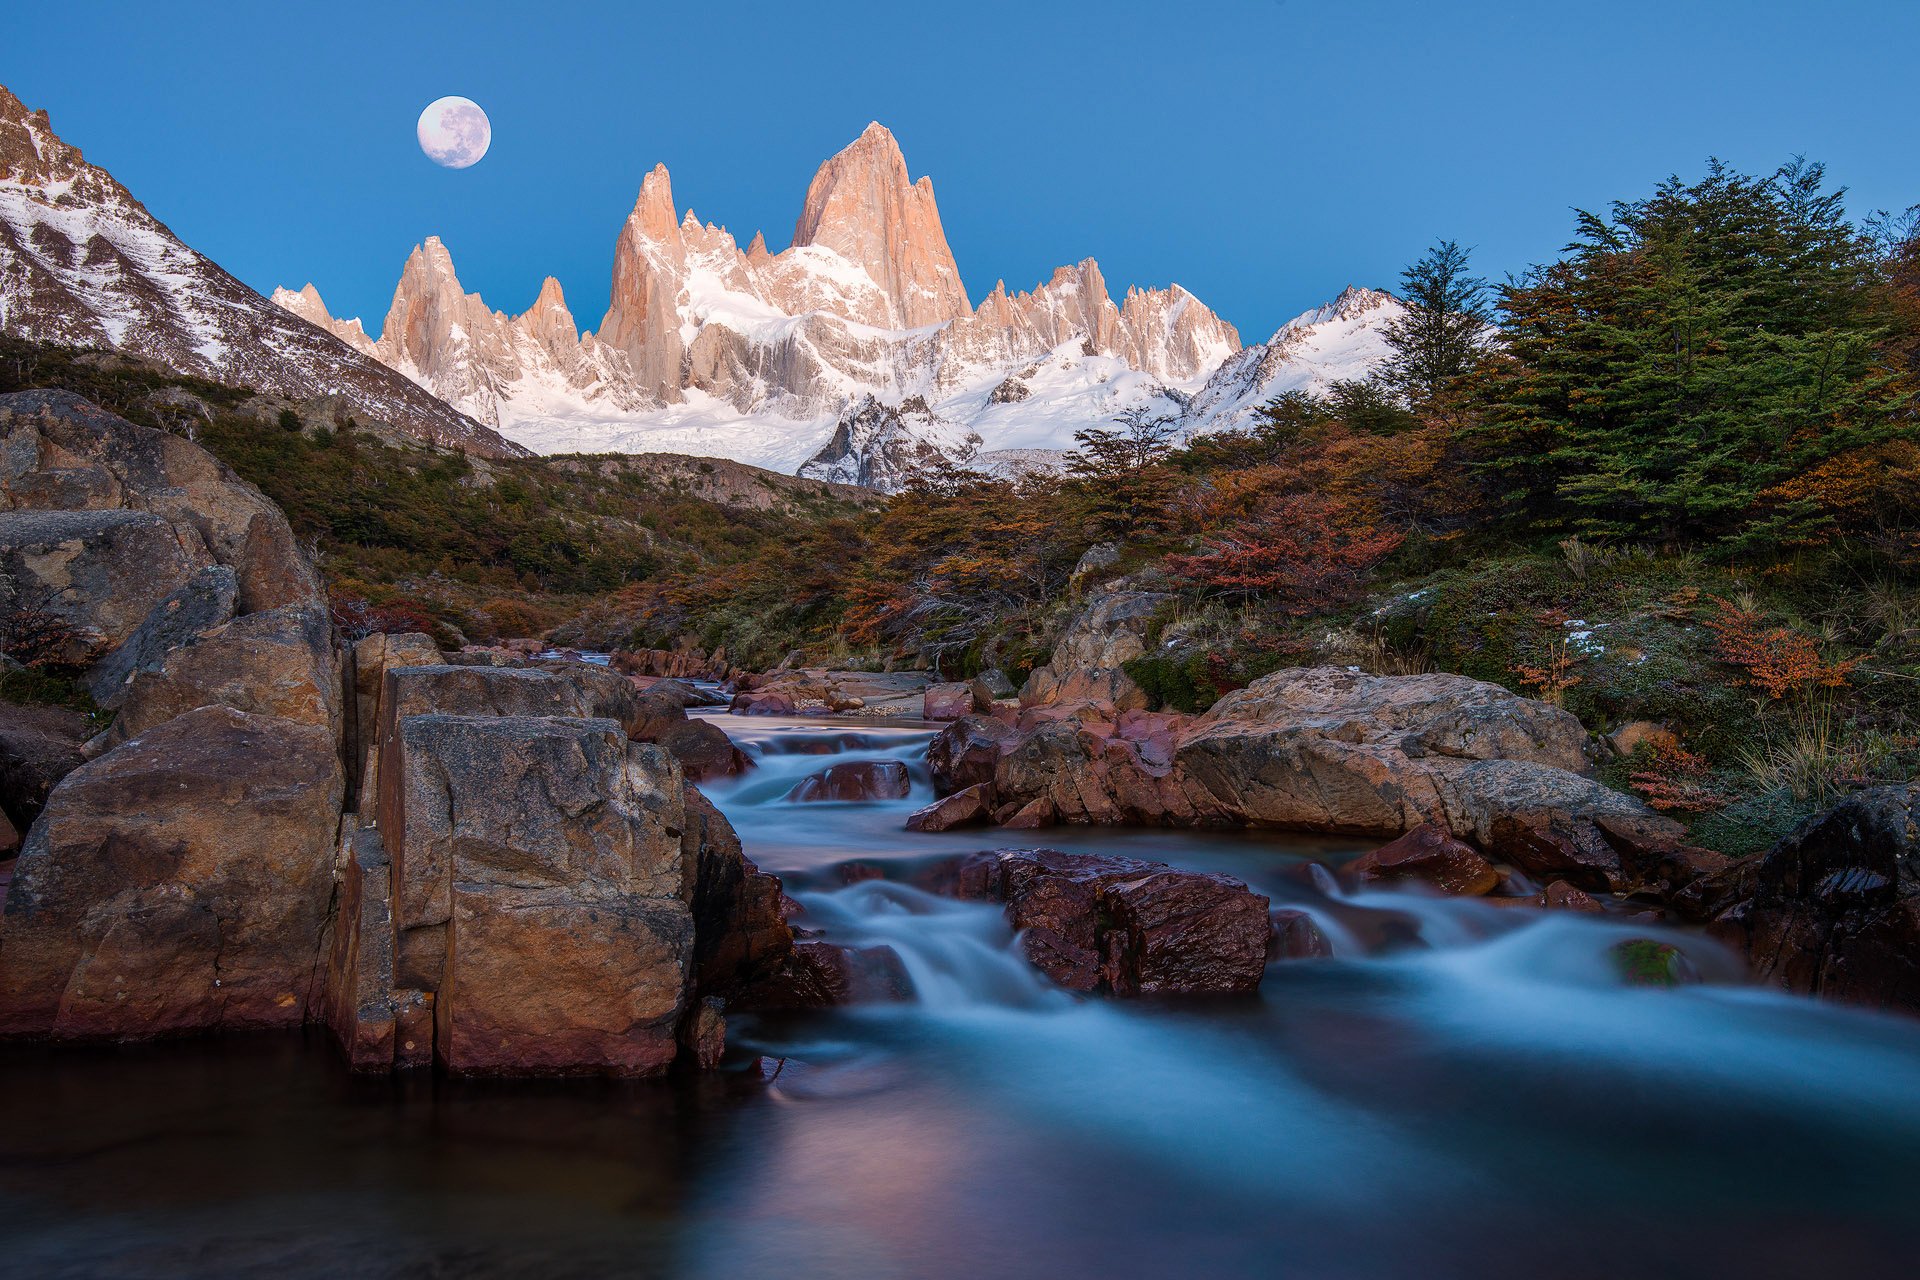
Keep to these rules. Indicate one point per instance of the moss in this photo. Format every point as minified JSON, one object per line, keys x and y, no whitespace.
{"x":1179,"y":683}
{"x":1646,"y":963}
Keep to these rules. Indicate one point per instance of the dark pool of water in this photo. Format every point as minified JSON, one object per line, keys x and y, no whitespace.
{"x":1460,"y":1092}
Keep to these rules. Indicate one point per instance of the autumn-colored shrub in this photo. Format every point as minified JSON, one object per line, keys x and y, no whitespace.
{"x":1674,"y":779}
{"x":1300,"y":551}
{"x":1778,"y":660}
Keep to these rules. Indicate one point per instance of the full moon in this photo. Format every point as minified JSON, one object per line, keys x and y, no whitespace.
{"x":454,"y":132}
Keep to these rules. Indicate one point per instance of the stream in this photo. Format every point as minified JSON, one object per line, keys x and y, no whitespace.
{"x":1461,"y":1090}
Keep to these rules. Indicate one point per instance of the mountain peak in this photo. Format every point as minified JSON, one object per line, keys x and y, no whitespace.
{"x":862,"y":205}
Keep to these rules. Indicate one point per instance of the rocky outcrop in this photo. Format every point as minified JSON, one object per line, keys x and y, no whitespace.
{"x":86,"y":265}
{"x":1120,"y":926}
{"x":1329,"y":750}
{"x":177,"y":883}
{"x":510,"y":886}
{"x":1110,"y":632}
{"x":1834,"y":908}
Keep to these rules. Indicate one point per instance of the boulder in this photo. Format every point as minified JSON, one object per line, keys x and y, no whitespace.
{"x":369,"y":661}
{"x":276,"y":663}
{"x":180,"y":882}
{"x":105,"y":462}
{"x":38,"y":747}
{"x":704,"y":750}
{"x":1121,"y":926}
{"x":1110,"y":631}
{"x":969,"y":806}
{"x":818,"y":974}
{"x":965,"y":753}
{"x":947,"y":702}
{"x":540,"y":889}
{"x":101,"y":573}
{"x":1296,"y":936}
{"x":762,"y":704}
{"x":990,"y":688}
{"x":856,"y":780}
{"x":1834,"y":908}
{"x":1428,"y":854}
{"x":740,"y":931}
{"x":206,"y":601}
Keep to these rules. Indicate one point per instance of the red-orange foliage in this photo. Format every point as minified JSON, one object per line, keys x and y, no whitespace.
{"x":1303,"y":551}
{"x":1677,"y":779}
{"x":1777,"y":659}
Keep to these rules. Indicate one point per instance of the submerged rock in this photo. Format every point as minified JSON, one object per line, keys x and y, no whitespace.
{"x":1431,"y":856}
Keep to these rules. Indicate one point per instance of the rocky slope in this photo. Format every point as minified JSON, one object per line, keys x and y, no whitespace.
{"x":706,"y":347}
{"x":82,"y":263}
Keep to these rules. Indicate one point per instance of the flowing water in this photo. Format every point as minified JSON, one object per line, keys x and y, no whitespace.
{"x":1460,"y":1090}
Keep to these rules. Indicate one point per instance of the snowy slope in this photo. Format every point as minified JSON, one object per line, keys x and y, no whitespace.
{"x":84,"y":264}
{"x":1341,"y":341}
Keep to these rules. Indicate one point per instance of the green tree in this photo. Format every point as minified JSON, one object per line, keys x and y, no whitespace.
{"x":1442,"y":337}
{"x":1686,"y":354}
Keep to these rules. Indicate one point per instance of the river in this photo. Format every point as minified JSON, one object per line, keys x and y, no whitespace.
{"x":1460,"y":1091}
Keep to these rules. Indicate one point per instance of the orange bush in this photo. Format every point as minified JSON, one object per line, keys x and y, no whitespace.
{"x":1777,"y":659}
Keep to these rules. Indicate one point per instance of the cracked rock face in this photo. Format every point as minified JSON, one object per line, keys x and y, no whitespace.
{"x":178,"y":883}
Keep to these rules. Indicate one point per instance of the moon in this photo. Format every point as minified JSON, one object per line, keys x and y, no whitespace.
{"x":455,"y":132}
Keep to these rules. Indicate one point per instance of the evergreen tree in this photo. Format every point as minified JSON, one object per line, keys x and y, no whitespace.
{"x":1442,"y":338}
{"x":1121,"y":474}
{"x":1685,"y":355}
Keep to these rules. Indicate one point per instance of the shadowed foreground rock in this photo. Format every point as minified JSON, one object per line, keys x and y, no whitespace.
{"x":179,"y":882}
{"x":1121,"y":926}
{"x":1834,"y":908}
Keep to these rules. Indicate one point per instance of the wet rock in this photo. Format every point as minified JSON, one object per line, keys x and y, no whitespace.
{"x":1834,"y":908}
{"x":1296,"y":936}
{"x":741,"y":935}
{"x":1561,"y":896}
{"x":969,"y":806}
{"x":965,"y":753}
{"x":179,"y":882}
{"x":1644,"y":962}
{"x":821,"y":974}
{"x":856,"y":780}
{"x":1122,"y":926}
{"x":1428,"y":854}
{"x":762,"y":704}
{"x":704,"y":750}
{"x":947,"y":702}
{"x":703,"y":1037}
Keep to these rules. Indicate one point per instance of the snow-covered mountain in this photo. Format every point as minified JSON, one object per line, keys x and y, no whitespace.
{"x":82,"y":263}
{"x":1339,"y":342}
{"x":789,"y":360}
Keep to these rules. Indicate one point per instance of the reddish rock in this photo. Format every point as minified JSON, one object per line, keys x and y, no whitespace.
{"x":762,"y":704}
{"x":1428,"y":854}
{"x":704,"y":750}
{"x":818,"y":974}
{"x":857,"y":780}
{"x":38,"y":747}
{"x":180,"y":882}
{"x":947,"y":702}
{"x":1561,"y":896}
{"x":965,"y":752}
{"x":1122,"y":926}
{"x":1296,"y":936}
{"x":740,"y":930}
{"x":970,"y":806}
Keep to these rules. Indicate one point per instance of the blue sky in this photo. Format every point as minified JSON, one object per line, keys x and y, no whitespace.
{"x":1263,"y":153}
